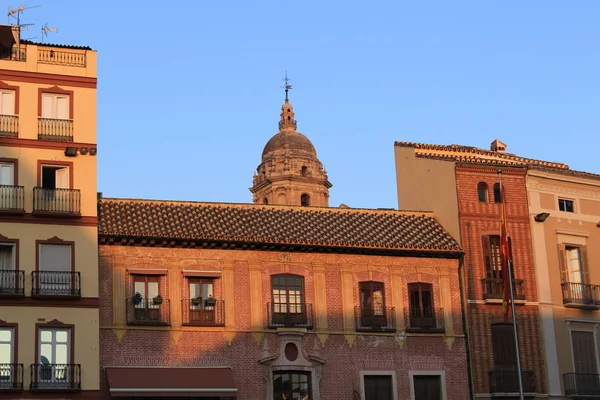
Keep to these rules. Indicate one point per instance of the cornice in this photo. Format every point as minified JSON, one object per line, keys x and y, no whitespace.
{"x":576,"y":192}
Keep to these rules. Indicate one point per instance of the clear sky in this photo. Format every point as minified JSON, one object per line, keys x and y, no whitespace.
{"x":189,"y":91}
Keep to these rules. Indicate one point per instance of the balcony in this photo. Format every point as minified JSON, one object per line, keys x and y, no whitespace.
{"x":581,"y":385}
{"x":56,"y":130}
{"x":150,"y":312}
{"x":59,"y":57}
{"x":11,"y":377}
{"x":581,"y":295}
{"x":12,"y":199}
{"x":424,"y":321}
{"x":493,"y":290}
{"x":61,"y":377}
{"x":374,"y":319}
{"x":63,"y":284}
{"x":289,"y":315}
{"x":506,"y":381}
{"x":65,"y":202}
{"x":199,"y":312}
{"x":12,"y":53}
{"x":9,"y":126}
{"x":12,"y":283}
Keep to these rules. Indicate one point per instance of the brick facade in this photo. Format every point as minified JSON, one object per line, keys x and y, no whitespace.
{"x":334,"y":351}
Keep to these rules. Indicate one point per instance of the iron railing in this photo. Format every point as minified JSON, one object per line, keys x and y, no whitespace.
{"x":9,"y":126}
{"x":145,"y":311}
{"x":581,"y":384}
{"x":580,"y":295}
{"x":11,"y":377}
{"x":424,"y":320}
{"x":508,"y":382}
{"x":55,"y":377}
{"x":56,"y":283}
{"x":203,"y":312}
{"x":375,"y":319}
{"x":12,"y":198}
{"x":57,"y":201}
{"x":290,"y":315}
{"x":60,"y":57}
{"x":56,"y":130}
{"x":493,"y":288}
{"x":12,"y":282}
{"x":12,"y":54}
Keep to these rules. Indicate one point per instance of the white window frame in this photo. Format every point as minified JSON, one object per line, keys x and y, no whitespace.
{"x":441,"y":374}
{"x":575,"y":205}
{"x":11,"y":329}
{"x":14,"y":99}
{"x":53,"y":343}
{"x":362,"y":375}
{"x":54,"y":111}
{"x":592,"y":329}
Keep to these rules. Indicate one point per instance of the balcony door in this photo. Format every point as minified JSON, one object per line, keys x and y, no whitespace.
{"x":7,"y":349}
{"x":8,"y":276}
{"x":55,"y":269}
{"x":55,"y":177}
{"x":201,"y":310}
{"x":288,"y":299}
{"x":421,"y":305}
{"x":372,"y":304}
{"x":7,"y":180}
{"x":148,"y":287}
{"x":54,"y":357}
{"x":55,"y":106}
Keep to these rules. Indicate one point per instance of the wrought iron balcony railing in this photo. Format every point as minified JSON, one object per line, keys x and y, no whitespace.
{"x":57,"y":201}
{"x":56,"y":130}
{"x":290,"y":315}
{"x":12,"y":282}
{"x":581,"y":295}
{"x":55,"y":377}
{"x":9,"y":126}
{"x":12,"y":199}
{"x":203,"y":312}
{"x":11,"y":377}
{"x":148,"y":311}
{"x":581,"y":385}
{"x":425,"y":320}
{"x":375,"y":319}
{"x":508,"y":382}
{"x":493,"y":288}
{"x":59,"y":57}
{"x":56,"y":284}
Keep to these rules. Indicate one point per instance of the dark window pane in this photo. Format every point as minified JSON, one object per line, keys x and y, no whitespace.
{"x":503,"y":345}
{"x":427,"y":387}
{"x":482,"y":190}
{"x":378,"y":387}
{"x":497,"y":194}
{"x":290,"y":385}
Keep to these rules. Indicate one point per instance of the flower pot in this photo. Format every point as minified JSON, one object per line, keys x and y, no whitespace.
{"x":209,"y":302}
{"x":157,"y":300}
{"x":197,"y":301}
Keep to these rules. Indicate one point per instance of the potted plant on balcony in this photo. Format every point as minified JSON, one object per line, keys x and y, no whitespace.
{"x":157,"y":300}
{"x":210,"y":302}
{"x":137,"y":298}
{"x":196,"y":301}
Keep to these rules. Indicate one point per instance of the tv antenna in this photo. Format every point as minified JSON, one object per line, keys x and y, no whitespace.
{"x":18,"y":11}
{"x":46,"y":29}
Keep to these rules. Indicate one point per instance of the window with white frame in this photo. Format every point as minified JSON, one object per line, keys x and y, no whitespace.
{"x":54,"y":354}
{"x":7,"y":352}
{"x":55,"y":106}
{"x":7,"y":102}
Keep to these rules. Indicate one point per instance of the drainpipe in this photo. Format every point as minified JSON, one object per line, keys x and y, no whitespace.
{"x":463,"y":298}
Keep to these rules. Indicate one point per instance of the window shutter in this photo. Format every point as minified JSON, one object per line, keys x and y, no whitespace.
{"x":584,"y":352}
{"x":503,"y":345}
{"x":8,"y":103}
{"x":6,"y":174}
{"x":585,"y":271}
{"x":47,"y":106}
{"x":55,"y":257}
{"x":487,"y":256}
{"x":62,"y":107}
{"x":562,"y":263}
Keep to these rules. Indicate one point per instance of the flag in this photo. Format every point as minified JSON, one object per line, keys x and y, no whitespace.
{"x":504,"y":253}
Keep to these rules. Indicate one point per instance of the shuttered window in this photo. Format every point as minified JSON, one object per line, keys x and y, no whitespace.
{"x":584,"y":352}
{"x":378,"y":387}
{"x":491,"y":256}
{"x":503,"y":346}
{"x":427,"y":387}
{"x":572,"y":262}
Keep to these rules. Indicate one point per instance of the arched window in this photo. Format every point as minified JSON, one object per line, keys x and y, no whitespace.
{"x":265,"y":201}
{"x":305,"y":200}
{"x":482,"y":192}
{"x":497,"y":194}
{"x":304,"y":171}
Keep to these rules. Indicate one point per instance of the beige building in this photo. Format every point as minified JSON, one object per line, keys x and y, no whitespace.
{"x":565,"y":209}
{"x":48,"y":223}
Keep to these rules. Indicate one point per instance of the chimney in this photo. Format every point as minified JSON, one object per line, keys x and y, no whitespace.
{"x":498,"y":146}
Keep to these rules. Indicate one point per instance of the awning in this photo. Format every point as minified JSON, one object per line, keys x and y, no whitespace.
{"x":163,"y":381}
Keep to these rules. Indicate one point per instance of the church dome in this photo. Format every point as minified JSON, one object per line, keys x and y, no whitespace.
{"x":292,"y":141}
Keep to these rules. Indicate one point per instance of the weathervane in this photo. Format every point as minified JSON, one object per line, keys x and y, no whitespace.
{"x":287,"y":86}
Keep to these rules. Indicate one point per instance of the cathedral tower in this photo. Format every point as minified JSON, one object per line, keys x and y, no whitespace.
{"x":290,"y":172}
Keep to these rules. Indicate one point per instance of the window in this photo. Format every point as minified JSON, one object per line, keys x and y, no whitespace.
{"x":202,"y":302}
{"x":372,"y":304}
{"x":8,"y":278}
{"x":288,"y":299}
{"x":491,"y":256}
{"x":572,"y":262}
{"x":497,"y":193}
{"x":54,"y":357}
{"x":265,"y":201}
{"x":427,"y":387}
{"x":422,"y":315}
{"x":55,"y":177}
{"x":7,"y":102}
{"x":7,"y":174}
{"x":55,"y":106}
{"x":503,"y":346}
{"x":566,"y":205}
{"x":304,"y":171}
{"x":378,"y":387}
{"x":146,"y":301}
{"x":291,"y":385}
{"x":584,"y":352}
{"x":55,"y":269}
{"x":482,"y":192}
{"x":7,"y":353}
{"x":305,"y":200}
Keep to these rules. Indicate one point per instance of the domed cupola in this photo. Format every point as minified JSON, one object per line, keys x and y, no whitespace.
{"x":290,"y":172}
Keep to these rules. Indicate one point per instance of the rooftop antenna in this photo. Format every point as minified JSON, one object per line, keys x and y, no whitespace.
{"x":287,"y":86}
{"x":18,"y":11}
{"x":46,"y":29}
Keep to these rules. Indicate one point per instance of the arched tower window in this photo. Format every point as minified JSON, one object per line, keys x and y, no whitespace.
{"x":305,"y":200}
{"x":265,"y":201}
{"x":497,"y":194}
{"x":482,"y":192}
{"x":304,"y":171}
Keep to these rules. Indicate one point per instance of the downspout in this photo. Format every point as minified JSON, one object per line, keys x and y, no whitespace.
{"x":463,"y":298}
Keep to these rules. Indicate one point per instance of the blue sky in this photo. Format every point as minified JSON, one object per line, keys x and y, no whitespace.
{"x":189,"y":91}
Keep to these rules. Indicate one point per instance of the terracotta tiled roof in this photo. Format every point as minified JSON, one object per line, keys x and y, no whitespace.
{"x":474,"y":155}
{"x":268,"y":224}
{"x":63,"y":46}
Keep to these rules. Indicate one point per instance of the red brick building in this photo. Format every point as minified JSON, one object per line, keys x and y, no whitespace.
{"x":461,"y":185}
{"x":266,"y":301}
